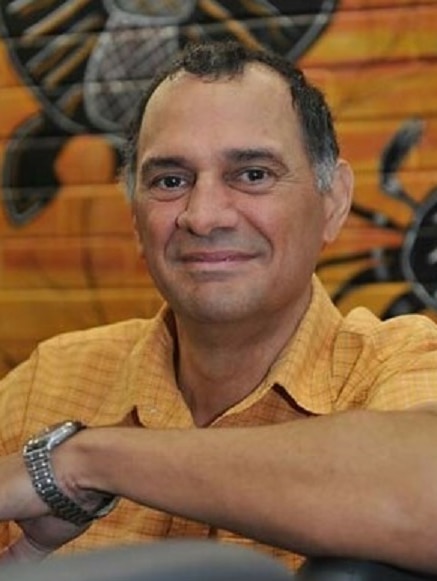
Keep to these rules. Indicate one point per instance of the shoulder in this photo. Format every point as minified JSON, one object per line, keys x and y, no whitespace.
{"x":70,"y":375}
{"x":405,"y":332}
{"x":124,"y":333}
{"x":79,"y":352}
{"x":94,"y":358}
{"x":389,"y":364}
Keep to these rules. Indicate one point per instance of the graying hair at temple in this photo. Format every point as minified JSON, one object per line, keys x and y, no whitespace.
{"x":213,"y":60}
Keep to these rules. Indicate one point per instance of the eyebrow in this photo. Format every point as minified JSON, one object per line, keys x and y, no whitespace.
{"x":153,"y":163}
{"x":253,"y":154}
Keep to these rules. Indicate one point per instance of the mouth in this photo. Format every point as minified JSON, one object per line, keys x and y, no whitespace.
{"x":215,"y":257}
{"x":213,"y":261}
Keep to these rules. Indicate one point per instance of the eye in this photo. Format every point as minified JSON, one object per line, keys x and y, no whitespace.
{"x":169,"y":182}
{"x":254,"y":175}
{"x":252,"y":179}
{"x":168,"y":186}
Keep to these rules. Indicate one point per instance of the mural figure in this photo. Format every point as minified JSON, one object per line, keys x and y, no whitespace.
{"x":87,"y":60}
{"x":415,"y":261}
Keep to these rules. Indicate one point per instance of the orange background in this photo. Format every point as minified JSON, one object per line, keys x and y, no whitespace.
{"x":75,"y":265}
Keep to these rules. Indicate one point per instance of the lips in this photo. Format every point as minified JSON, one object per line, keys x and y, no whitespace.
{"x":215,"y":257}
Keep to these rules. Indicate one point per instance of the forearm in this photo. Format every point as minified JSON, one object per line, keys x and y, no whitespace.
{"x":356,"y":484}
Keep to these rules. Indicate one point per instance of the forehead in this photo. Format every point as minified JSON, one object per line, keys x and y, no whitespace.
{"x":230,"y":112}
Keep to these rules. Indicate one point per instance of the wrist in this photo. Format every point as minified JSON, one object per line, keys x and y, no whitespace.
{"x":74,"y":465}
{"x":53,"y":462}
{"x":81,"y":467}
{"x":83,"y":461}
{"x":69,"y":465}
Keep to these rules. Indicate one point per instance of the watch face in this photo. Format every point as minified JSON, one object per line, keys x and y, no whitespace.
{"x":56,"y":434}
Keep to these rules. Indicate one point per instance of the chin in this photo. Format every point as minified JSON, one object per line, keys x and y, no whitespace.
{"x":218,"y":310}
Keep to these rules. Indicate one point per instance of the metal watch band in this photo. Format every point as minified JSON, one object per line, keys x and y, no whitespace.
{"x":39,"y":467}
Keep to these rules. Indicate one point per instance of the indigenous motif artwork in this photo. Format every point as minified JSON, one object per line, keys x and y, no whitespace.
{"x":71,"y":72}
{"x":414,"y":259}
{"x":88,"y":61}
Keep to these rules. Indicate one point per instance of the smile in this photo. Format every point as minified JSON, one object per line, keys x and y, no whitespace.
{"x":216,"y":257}
{"x":215,"y":261}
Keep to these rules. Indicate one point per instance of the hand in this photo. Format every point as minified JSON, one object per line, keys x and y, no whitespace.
{"x":42,"y":536}
{"x":43,"y":533}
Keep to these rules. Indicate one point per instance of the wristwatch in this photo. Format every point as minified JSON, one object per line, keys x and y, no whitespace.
{"x":36,"y":454}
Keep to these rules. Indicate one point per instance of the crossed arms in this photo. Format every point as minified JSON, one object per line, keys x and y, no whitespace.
{"x":361,"y":484}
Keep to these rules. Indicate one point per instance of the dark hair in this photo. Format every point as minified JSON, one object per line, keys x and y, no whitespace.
{"x":214,"y":60}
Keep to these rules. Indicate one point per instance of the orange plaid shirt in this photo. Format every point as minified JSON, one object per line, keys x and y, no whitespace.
{"x":123,"y":373}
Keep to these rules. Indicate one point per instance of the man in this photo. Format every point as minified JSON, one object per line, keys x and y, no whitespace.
{"x":324,"y":427}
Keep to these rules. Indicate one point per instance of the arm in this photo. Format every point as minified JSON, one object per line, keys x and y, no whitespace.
{"x":42,"y":535}
{"x":360,"y":484}
{"x":355,"y":484}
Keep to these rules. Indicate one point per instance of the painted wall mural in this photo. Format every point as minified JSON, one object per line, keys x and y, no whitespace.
{"x":88,"y":61}
{"x":70,"y":74}
{"x":414,"y":259}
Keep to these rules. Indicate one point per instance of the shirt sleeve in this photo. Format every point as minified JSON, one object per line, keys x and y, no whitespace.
{"x":14,"y":395}
{"x":15,"y":390}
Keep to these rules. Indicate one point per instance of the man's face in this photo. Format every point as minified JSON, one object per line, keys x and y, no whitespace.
{"x":225,"y":208}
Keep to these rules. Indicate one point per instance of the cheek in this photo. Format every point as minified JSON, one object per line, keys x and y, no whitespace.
{"x":157,"y":225}
{"x":296,"y":232}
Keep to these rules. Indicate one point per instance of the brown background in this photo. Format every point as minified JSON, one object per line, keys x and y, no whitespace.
{"x":75,"y":264}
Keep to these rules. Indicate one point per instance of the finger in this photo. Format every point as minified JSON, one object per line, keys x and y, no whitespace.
{"x":23,"y":550}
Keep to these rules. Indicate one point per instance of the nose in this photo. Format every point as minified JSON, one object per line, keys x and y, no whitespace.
{"x":210,"y":206}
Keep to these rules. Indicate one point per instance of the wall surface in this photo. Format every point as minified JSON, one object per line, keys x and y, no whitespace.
{"x":70,"y":71}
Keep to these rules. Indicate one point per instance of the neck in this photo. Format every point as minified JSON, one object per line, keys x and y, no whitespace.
{"x":221,"y":364}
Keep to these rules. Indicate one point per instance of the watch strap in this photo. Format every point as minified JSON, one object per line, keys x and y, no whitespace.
{"x":40,"y":469}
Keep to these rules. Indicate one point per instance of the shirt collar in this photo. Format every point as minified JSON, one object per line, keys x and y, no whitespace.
{"x":303,"y":368}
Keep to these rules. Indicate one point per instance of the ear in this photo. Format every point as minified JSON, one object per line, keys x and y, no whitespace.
{"x":338,"y":200}
{"x":137,"y":234}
